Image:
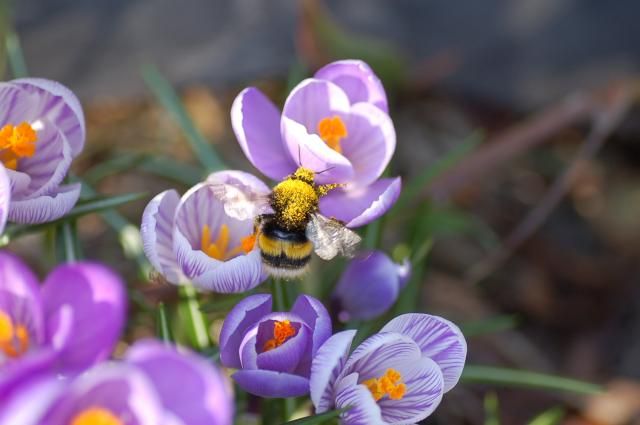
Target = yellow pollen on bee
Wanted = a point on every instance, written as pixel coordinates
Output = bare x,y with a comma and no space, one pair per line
332,130
294,199
390,384
14,338
282,332
17,142
219,249
95,416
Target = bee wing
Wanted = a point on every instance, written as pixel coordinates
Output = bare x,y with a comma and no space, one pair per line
243,205
330,237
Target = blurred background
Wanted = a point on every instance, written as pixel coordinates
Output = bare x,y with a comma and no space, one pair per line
524,111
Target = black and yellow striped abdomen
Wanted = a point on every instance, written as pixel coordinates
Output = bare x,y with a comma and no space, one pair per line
284,253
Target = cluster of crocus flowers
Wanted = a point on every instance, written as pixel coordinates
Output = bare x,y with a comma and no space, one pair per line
155,384
195,237
74,319
336,124
41,131
397,376
369,286
273,350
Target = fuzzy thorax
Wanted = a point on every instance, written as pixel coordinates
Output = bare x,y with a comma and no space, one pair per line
295,198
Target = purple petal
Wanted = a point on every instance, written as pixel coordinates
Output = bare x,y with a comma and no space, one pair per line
360,206
269,384
368,287
438,338
84,306
314,314
357,80
249,194
242,317
424,382
370,143
41,361
237,275
379,352
5,197
48,166
20,296
256,122
327,365
308,103
19,182
246,182
157,234
286,357
121,389
45,208
59,105
363,409
202,396
38,392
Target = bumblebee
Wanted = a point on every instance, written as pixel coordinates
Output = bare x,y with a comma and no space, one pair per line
293,228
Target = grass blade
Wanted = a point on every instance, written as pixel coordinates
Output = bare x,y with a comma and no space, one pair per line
491,409
197,329
168,98
163,330
522,378
15,56
552,416
489,326
323,418
172,170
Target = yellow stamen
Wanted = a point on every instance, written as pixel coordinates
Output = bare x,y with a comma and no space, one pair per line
390,384
332,130
282,332
14,338
95,416
17,142
220,248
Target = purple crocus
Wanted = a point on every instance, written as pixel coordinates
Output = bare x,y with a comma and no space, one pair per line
5,197
273,350
369,286
397,376
41,131
155,385
195,238
74,318
336,123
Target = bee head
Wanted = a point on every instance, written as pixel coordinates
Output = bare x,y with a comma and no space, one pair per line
304,174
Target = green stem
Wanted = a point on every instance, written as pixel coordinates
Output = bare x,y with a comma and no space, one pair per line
278,294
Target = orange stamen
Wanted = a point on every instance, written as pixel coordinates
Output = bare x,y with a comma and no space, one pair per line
220,248
14,338
282,332
332,130
95,416
17,142
390,384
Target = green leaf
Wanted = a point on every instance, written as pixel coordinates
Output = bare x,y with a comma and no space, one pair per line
412,190
323,418
163,330
115,165
489,326
491,409
16,57
552,416
522,378
168,98
67,244
170,169
81,209
197,329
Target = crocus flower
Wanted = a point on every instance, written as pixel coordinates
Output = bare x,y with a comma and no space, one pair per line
5,197
369,286
273,350
41,131
155,385
75,318
336,124
195,237
397,376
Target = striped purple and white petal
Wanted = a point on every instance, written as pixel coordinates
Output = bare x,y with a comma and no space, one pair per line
245,196
271,384
45,208
117,389
357,80
51,101
5,197
232,272
157,235
439,339
21,300
357,206
202,396
369,286
85,308
362,407
239,320
256,123
327,365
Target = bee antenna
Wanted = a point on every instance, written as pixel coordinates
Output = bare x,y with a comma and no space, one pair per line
326,169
